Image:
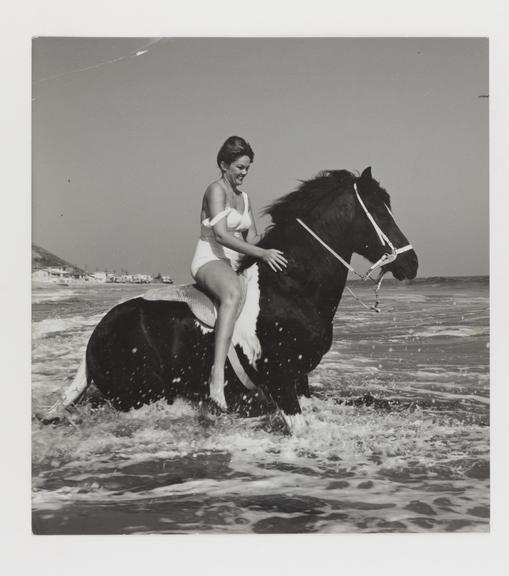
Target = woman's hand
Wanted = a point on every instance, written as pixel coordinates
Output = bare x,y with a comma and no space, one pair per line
275,259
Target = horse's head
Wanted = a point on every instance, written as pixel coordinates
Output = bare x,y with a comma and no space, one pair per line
374,232
349,213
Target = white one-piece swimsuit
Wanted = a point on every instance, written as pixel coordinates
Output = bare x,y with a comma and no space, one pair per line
208,248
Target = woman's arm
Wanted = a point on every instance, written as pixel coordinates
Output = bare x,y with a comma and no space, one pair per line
216,202
252,236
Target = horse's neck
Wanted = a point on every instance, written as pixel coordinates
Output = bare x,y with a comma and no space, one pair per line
327,288
329,296
320,274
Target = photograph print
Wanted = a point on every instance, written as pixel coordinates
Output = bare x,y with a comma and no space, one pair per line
260,285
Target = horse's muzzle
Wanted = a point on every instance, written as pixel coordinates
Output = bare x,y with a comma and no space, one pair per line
404,267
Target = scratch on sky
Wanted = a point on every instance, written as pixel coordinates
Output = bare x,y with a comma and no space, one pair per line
139,52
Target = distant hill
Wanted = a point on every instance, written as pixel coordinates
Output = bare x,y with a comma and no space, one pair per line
42,258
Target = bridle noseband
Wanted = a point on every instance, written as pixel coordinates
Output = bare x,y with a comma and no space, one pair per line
386,258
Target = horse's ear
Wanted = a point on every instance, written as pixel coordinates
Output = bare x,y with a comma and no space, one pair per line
366,175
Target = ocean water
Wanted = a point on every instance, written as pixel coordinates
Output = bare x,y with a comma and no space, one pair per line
397,435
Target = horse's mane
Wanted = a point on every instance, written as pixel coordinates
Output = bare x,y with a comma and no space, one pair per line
308,195
326,186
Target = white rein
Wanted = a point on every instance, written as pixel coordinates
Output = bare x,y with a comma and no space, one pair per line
386,258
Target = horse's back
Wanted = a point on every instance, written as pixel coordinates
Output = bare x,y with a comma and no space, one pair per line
135,348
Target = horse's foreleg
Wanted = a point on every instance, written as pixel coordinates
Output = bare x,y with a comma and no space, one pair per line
302,386
284,393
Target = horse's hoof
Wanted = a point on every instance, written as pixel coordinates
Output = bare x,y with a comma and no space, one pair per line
43,419
57,414
53,415
216,407
295,423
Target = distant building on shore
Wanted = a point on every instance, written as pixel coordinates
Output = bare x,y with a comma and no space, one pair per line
100,276
49,268
66,276
130,278
59,275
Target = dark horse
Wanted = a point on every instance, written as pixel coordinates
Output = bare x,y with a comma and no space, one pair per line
143,351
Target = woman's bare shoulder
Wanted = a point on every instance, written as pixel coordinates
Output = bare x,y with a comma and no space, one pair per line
215,190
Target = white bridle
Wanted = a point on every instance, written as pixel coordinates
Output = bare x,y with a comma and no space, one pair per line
386,258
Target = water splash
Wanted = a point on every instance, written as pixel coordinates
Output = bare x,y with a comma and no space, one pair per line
416,461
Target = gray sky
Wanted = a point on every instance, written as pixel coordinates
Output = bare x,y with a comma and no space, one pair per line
124,144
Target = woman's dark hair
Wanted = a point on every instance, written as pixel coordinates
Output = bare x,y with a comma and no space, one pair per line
234,147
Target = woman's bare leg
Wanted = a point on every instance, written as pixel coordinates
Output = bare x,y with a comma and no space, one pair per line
223,284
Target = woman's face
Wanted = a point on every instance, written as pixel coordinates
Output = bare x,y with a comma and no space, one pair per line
237,170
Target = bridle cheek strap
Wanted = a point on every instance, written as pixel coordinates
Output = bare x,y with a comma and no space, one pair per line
388,257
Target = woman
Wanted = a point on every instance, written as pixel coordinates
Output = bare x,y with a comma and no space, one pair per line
228,230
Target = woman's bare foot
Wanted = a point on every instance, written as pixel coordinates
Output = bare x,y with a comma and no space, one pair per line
216,389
